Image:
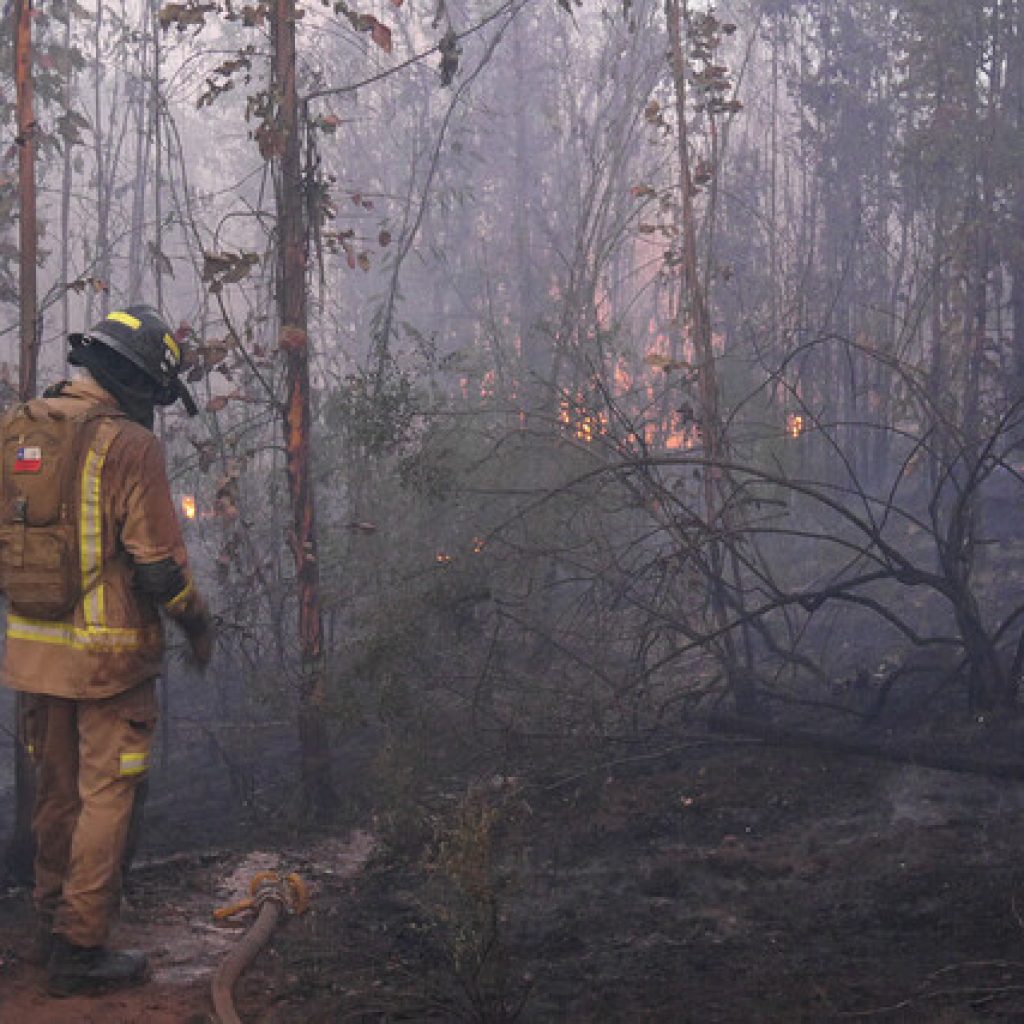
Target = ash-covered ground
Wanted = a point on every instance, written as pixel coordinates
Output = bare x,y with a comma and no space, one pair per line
702,880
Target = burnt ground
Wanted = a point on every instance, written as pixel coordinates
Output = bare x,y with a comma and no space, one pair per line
702,880
724,883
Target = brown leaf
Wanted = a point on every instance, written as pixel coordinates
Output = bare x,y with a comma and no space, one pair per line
384,239
381,35
215,263
269,141
183,15
364,261
82,283
253,16
228,267
214,353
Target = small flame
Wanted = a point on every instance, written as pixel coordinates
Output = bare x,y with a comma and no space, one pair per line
583,425
442,558
794,425
680,439
188,506
478,545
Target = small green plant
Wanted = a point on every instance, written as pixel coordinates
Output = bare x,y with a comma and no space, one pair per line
471,914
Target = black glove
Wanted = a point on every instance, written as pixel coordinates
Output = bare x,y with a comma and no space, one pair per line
200,630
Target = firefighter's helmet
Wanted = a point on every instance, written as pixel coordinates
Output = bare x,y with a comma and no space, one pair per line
140,335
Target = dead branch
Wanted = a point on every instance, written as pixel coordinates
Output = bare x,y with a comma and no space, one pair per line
786,736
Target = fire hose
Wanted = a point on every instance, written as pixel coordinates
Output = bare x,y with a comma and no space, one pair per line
272,897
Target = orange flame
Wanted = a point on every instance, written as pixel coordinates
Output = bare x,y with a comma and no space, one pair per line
794,425
680,439
188,506
582,424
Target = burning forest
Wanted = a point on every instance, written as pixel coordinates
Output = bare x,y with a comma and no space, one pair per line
511,511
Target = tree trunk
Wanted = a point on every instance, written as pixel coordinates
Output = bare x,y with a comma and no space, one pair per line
27,191
67,177
693,297
136,242
20,850
103,187
532,373
317,790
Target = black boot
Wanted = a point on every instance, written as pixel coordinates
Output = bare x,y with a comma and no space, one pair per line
84,970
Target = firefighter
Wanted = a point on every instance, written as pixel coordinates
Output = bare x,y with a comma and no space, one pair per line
87,678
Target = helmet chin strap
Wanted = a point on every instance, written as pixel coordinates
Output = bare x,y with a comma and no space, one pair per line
186,399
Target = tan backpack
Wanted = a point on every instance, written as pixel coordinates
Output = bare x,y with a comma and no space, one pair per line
41,456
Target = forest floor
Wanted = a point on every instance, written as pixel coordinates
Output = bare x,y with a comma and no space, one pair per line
709,881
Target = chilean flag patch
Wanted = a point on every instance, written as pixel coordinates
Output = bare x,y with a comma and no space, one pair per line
29,460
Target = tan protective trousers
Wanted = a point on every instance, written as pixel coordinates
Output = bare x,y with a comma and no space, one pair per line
90,756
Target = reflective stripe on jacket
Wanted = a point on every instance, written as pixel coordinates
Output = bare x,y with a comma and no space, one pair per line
113,639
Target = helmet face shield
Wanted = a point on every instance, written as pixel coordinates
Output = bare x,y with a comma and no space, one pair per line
140,335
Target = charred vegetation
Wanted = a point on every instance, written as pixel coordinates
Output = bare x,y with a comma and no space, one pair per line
609,484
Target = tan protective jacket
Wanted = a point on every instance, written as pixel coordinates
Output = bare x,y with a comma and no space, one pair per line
113,640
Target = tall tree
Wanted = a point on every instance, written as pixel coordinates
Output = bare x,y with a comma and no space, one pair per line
27,248
20,850
293,317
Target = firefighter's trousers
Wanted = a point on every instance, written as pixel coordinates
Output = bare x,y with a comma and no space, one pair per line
90,757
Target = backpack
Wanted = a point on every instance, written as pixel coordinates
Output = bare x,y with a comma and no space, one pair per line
41,456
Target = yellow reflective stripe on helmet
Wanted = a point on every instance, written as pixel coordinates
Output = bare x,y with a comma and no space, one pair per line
64,634
125,318
134,764
173,346
90,535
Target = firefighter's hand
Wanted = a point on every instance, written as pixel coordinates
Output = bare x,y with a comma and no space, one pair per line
202,636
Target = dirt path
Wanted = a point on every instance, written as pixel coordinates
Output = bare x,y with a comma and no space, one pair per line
169,916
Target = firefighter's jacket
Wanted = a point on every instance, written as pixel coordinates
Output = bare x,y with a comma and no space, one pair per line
113,639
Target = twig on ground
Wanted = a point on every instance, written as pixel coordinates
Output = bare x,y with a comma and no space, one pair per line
975,994
1016,913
